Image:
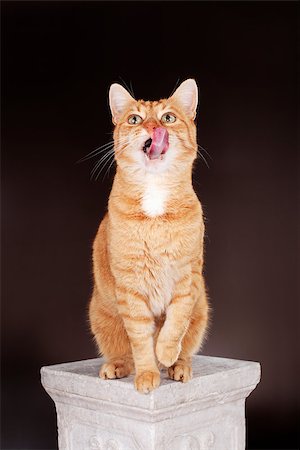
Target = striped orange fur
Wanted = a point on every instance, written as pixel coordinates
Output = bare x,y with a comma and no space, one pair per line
149,306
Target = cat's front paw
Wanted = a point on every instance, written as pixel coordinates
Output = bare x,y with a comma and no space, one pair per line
181,371
167,353
116,369
147,381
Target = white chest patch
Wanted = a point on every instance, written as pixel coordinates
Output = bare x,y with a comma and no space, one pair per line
154,198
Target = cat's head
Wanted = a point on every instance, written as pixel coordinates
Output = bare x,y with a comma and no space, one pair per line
155,136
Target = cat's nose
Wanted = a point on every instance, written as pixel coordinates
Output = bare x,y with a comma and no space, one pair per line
150,125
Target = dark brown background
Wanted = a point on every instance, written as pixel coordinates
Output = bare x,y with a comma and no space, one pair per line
58,62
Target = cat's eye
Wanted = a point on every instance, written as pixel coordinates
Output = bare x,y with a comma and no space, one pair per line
134,119
168,118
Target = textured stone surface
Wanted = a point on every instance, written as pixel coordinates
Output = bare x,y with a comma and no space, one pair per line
206,413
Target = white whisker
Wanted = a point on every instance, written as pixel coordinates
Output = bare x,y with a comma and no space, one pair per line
102,160
202,148
109,162
203,158
101,149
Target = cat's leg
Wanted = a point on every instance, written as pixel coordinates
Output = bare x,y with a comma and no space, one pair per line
178,315
112,340
140,326
185,324
181,370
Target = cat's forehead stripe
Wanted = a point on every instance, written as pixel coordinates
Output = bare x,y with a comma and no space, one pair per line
150,102
151,106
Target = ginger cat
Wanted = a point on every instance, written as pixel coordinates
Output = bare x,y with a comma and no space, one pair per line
149,306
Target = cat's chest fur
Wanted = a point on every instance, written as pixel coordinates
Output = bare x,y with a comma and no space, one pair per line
159,278
154,197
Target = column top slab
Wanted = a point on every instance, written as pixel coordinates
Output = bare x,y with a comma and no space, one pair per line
215,380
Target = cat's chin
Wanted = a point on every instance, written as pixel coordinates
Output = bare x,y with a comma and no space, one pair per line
157,165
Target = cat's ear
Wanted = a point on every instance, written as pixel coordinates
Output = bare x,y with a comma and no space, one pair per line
119,100
187,96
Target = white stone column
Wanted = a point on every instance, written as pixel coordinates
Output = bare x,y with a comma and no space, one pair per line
207,413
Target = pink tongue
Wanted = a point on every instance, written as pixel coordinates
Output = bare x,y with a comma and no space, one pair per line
160,143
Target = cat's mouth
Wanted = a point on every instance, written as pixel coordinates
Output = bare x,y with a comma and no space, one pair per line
147,145
157,146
